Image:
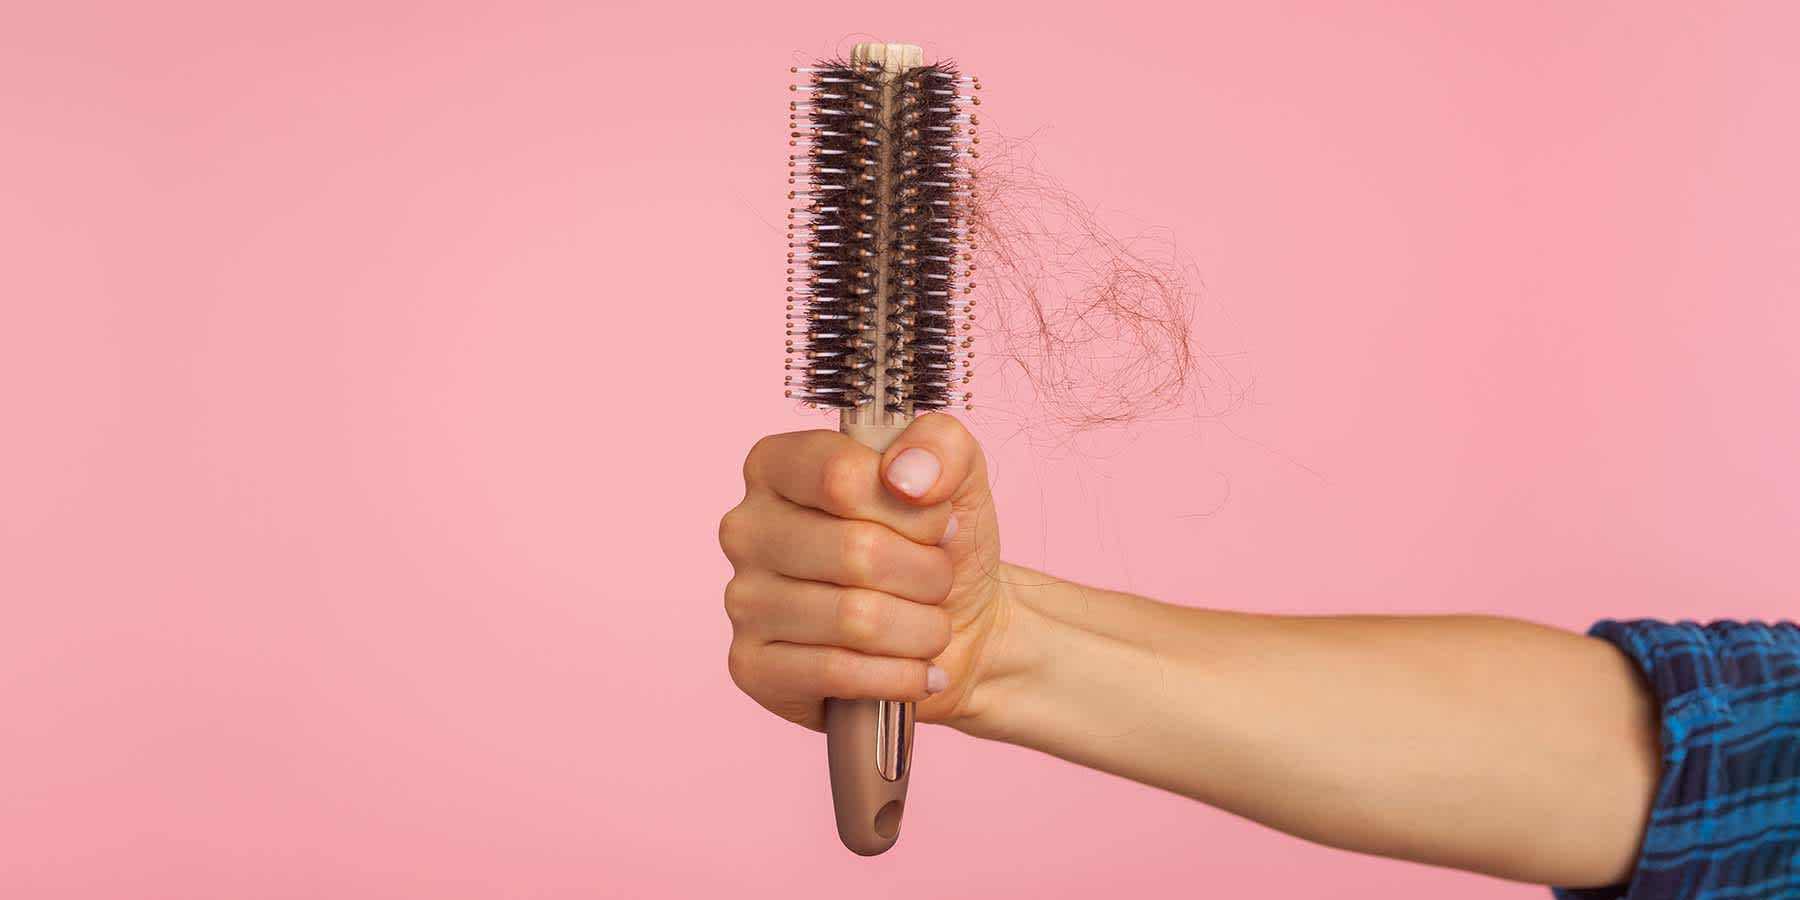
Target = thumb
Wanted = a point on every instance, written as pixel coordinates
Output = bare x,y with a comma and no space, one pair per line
935,459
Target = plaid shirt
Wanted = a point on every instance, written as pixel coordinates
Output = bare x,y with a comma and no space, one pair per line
1726,820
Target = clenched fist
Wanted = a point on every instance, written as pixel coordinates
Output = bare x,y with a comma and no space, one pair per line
863,575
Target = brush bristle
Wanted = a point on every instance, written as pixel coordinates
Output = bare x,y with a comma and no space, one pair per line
882,186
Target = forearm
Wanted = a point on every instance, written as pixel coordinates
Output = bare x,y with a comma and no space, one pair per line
1484,744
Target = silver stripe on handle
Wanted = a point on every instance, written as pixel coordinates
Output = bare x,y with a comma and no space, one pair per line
893,738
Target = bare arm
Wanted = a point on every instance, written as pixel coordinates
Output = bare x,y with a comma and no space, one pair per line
1484,744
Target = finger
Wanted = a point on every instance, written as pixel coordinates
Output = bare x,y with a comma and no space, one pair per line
813,671
808,545
828,471
935,459
775,608
744,663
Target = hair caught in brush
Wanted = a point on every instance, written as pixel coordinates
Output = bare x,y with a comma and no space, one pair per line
1084,329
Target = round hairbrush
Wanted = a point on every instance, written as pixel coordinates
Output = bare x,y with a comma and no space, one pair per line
879,269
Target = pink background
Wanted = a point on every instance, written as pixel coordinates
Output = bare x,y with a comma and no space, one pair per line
372,377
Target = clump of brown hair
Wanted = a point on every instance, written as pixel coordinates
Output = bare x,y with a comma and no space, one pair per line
1079,328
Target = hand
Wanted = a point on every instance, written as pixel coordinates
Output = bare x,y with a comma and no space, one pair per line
863,575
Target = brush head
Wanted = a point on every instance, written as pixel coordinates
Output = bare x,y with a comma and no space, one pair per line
880,256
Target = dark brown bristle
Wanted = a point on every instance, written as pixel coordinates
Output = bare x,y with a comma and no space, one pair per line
838,168
931,218
881,180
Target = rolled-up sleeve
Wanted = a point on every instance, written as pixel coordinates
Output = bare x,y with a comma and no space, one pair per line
1726,820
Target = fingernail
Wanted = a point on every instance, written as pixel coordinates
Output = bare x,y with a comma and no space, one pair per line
913,472
936,679
949,531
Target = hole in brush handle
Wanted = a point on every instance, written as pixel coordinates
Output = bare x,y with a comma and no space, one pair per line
868,806
887,821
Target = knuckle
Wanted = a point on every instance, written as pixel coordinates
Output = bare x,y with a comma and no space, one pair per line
842,478
753,460
737,602
737,664
734,529
860,550
857,617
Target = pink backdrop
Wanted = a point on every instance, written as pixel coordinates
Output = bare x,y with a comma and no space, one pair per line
372,377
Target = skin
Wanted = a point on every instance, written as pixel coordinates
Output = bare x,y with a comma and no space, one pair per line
1479,743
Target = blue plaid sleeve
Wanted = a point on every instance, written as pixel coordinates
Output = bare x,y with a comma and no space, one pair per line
1726,819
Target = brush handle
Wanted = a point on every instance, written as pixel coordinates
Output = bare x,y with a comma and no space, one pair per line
869,742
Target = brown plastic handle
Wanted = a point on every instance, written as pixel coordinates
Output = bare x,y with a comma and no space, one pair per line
869,742
863,756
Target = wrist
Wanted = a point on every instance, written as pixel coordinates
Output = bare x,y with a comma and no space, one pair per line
1011,654
1063,661
1067,667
